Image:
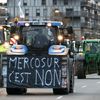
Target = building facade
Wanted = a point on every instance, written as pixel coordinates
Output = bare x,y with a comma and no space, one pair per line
70,11
90,19
3,13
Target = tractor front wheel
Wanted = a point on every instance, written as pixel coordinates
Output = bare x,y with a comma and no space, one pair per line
81,70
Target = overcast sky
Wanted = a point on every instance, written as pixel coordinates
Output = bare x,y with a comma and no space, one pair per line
3,1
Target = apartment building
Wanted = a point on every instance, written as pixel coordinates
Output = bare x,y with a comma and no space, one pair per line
90,19
71,11
3,14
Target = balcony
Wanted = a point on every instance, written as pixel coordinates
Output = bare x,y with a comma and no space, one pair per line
86,4
88,14
72,14
87,25
84,14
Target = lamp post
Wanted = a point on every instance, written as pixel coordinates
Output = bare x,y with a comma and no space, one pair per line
14,8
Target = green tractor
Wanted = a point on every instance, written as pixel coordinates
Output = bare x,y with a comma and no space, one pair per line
88,58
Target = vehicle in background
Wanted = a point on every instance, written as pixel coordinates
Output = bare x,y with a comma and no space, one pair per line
4,38
4,44
88,58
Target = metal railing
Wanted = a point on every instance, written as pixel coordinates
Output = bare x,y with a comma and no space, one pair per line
72,14
88,4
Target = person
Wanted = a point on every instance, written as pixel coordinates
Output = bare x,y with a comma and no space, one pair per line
87,48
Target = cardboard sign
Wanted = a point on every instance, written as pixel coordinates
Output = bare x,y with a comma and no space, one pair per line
34,71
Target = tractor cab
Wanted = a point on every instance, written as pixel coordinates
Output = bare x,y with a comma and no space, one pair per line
39,35
88,58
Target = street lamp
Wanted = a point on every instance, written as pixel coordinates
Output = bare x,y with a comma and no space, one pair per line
58,15
55,14
57,11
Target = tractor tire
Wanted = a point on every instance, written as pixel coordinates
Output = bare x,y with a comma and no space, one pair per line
16,91
71,69
71,90
60,91
98,72
66,90
81,71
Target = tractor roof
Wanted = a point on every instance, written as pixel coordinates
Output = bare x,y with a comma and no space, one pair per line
28,23
91,40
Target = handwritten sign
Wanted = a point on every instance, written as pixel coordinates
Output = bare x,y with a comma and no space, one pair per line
25,71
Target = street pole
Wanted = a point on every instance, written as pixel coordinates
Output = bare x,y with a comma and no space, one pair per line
14,8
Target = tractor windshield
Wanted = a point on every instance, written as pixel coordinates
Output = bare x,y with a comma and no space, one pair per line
91,47
30,33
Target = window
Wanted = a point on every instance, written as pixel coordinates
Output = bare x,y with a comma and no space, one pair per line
25,2
65,2
69,11
54,2
43,2
34,2
37,12
26,12
45,12
91,47
29,33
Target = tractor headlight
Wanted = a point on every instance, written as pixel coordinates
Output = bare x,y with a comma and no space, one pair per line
81,54
16,37
60,37
27,24
1,27
49,24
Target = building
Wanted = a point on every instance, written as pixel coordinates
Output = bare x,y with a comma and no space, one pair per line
90,19
3,13
69,11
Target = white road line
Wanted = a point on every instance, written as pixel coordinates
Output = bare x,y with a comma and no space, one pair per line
59,97
84,86
74,90
98,82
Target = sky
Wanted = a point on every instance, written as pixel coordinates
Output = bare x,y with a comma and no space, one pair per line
3,1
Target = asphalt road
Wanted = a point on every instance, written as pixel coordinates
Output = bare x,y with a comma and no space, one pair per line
85,89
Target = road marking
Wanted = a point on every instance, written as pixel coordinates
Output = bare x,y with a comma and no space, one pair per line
98,82
84,86
74,90
59,97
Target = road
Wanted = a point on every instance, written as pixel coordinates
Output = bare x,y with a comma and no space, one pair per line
85,89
